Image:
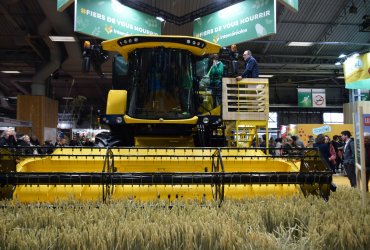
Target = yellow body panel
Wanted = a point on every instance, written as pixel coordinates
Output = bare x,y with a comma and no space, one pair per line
131,160
148,141
116,103
50,193
190,121
112,45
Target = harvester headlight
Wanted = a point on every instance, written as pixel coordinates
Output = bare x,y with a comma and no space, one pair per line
136,39
130,40
125,41
188,41
205,120
119,119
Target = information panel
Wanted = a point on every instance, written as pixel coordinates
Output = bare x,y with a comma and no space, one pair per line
109,19
357,72
238,23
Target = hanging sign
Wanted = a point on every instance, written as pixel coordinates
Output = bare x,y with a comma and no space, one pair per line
238,23
304,98
290,4
357,72
318,98
109,19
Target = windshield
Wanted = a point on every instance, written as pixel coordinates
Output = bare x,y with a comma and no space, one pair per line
161,84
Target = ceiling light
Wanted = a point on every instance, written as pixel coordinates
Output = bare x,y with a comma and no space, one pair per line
160,18
355,54
67,98
197,19
300,44
340,77
11,71
266,76
337,63
342,56
62,38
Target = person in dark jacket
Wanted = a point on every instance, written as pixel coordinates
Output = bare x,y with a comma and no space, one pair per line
323,147
251,66
8,138
349,157
367,160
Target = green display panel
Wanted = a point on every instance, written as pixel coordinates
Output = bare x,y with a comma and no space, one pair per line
238,23
304,98
109,19
290,4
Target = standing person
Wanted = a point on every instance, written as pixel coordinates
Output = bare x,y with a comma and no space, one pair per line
337,145
333,155
349,157
287,145
278,146
186,83
297,142
323,147
8,138
367,160
215,76
234,54
310,142
251,66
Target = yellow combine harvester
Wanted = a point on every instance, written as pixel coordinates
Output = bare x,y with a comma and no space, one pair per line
168,139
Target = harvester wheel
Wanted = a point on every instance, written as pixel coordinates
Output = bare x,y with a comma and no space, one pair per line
106,140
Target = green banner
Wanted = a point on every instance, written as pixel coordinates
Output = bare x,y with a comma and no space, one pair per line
304,98
63,4
238,23
357,72
290,4
109,19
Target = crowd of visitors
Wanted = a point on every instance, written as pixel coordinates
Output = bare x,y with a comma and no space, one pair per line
338,152
31,145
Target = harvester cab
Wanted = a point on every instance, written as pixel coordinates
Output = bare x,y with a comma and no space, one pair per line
156,97
169,138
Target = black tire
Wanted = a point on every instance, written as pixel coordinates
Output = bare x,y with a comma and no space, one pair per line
114,139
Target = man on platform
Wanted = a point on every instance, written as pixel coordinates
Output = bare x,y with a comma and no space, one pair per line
251,66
